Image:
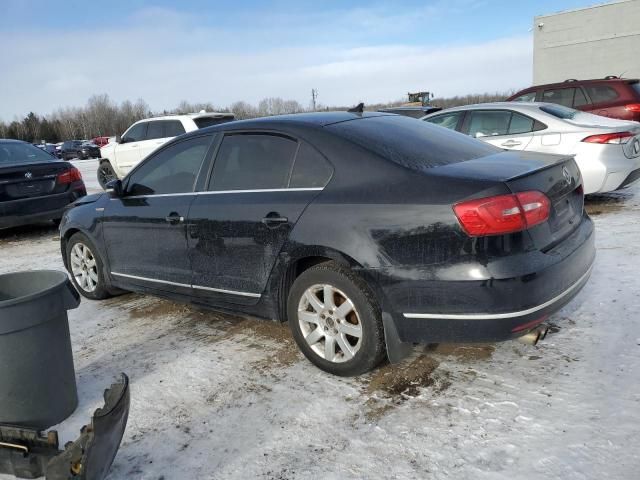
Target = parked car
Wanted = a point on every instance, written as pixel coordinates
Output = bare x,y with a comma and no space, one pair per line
80,149
606,150
362,230
34,186
610,97
100,141
50,148
413,112
144,136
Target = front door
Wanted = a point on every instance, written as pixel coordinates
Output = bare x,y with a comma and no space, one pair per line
145,229
127,152
255,195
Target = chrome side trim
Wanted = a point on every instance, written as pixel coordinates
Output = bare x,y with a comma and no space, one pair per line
231,292
496,316
221,192
134,277
218,290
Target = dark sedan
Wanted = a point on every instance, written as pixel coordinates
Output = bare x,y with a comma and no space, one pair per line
79,149
365,231
34,186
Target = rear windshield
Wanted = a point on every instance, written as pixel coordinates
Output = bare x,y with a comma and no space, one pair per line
412,143
559,111
210,121
12,153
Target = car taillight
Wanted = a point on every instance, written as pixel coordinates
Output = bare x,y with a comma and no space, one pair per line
619,137
632,107
69,176
503,213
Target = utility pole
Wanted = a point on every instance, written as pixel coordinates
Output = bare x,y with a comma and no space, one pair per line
314,96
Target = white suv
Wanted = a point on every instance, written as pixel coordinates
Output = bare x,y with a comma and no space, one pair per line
144,136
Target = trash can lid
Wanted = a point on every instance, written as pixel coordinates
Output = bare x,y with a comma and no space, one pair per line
20,287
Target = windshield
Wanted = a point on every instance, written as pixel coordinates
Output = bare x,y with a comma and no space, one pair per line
13,153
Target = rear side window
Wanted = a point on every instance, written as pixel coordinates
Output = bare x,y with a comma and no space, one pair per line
411,143
561,96
446,120
310,170
526,97
601,93
253,162
172,170
520,124
636,88
579,99
211,121
173,128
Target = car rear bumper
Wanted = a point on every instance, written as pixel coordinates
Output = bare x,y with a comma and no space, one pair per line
604,168
518,293
26,211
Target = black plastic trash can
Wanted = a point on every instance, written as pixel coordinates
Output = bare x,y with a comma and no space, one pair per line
37,377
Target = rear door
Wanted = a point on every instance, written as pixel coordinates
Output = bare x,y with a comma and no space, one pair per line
128,151
145,230
502,128
259,186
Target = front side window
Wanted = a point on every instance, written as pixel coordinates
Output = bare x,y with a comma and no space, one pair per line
561,96
526,97
579,99
253,162
172,170
601,93
136,133
310,170
155,130
446,120
489,123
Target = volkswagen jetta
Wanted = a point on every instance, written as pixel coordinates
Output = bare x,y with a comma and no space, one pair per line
363,231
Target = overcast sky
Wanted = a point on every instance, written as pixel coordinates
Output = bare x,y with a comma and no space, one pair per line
57,54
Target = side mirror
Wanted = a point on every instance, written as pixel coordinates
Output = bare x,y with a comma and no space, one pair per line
115,187
119,139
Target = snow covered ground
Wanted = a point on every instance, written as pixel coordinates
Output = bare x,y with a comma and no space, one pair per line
217,397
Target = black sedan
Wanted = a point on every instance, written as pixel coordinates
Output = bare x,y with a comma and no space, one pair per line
34,186
79,149
364,231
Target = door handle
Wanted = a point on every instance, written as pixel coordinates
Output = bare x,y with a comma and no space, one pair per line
273,220
511,143
173,218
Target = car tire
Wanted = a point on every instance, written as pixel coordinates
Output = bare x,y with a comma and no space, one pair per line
86,268
343,336
105,174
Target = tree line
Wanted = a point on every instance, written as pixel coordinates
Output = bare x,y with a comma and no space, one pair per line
103,117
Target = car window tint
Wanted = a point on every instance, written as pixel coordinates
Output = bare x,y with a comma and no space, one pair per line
18,152
447,120
173,128
579,99
559,112
488,123
204,122
520,124
526,97
136,133
561,96
171,170
636,87
601,93
252,162
155,130
411,143
311,169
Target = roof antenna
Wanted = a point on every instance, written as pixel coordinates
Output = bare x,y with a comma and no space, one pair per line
357,109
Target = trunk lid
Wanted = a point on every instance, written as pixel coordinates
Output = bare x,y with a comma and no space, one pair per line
557,176
29,180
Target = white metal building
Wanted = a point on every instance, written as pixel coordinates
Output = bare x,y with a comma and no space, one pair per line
590,42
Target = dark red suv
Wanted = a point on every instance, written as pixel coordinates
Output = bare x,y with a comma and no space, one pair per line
611,96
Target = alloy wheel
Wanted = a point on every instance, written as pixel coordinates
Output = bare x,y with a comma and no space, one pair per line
84,267
330,323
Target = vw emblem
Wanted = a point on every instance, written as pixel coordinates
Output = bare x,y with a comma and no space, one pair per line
28,175
566,175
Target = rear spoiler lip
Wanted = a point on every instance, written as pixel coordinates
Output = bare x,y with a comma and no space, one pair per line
560,159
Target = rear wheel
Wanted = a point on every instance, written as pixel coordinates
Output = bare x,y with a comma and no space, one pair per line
86,267
105,174
335,320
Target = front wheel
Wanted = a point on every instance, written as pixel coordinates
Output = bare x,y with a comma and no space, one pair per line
105,174
335,320
86,268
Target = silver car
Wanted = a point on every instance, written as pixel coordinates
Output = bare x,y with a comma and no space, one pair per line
606,150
